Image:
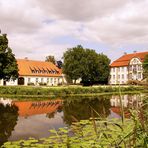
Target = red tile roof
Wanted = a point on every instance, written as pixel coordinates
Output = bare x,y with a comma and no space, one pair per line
117,110
37,68
29,108
125,59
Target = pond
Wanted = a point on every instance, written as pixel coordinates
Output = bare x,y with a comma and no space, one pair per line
24,119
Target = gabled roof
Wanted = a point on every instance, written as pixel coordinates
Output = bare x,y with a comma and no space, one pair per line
125,59
37,68
30,108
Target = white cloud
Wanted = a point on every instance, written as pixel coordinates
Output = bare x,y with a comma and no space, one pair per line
33,25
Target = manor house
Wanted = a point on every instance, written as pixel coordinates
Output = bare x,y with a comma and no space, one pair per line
128,67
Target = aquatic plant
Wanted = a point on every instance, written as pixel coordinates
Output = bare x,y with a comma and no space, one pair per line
97,132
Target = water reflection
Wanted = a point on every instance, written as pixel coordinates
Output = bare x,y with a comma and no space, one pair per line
128,101
81,109
30,108
24,119
8,120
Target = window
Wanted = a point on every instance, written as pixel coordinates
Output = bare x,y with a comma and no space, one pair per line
139,75
55,80
113,69
118,76
130,68
28,80
134,68
37,80
33,71
113,77
47,80
135,61
139,67
122,76
42,80
122,69
51,80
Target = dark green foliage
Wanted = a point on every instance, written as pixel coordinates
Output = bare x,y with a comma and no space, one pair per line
50,59
74,110
87,65
8,64
72,65
104,69
90,63
8,120
145,67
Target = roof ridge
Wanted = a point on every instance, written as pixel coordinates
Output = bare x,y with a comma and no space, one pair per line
124,59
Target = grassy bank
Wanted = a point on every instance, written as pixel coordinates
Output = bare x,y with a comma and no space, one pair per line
53,92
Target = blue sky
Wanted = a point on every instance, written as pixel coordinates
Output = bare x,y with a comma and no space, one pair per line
38,28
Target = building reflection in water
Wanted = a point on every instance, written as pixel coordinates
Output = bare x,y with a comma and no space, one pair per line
60,113
10,111
128,101
30,108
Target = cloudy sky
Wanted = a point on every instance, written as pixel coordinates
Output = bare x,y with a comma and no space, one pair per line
37,28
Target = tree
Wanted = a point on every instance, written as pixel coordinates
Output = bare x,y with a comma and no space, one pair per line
90,62
104,68
145,67
50,59
8,63
87,65
72,66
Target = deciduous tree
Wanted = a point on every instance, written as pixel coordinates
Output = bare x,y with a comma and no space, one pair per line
50,59
8,63
72,65
145,67
87,65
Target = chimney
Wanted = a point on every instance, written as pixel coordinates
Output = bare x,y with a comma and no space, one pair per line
125,53
134,51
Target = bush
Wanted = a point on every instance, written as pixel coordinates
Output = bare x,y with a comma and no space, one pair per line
30,84
42,84
134,82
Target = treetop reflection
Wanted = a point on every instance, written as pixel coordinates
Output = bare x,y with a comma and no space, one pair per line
8,120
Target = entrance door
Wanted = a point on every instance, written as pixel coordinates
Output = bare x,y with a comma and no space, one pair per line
20,81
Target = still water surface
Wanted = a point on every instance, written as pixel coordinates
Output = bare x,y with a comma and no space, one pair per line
24,119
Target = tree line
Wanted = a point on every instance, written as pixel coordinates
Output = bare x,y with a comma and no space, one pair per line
78,63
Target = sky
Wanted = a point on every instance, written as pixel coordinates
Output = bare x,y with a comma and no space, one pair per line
38,28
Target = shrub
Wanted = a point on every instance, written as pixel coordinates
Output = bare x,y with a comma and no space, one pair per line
42,84
30,84
134,82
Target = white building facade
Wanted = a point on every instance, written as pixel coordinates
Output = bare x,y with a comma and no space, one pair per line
36,73
128,67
